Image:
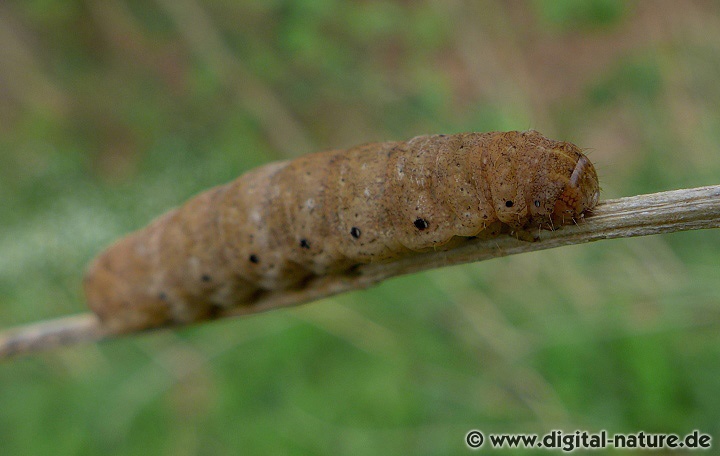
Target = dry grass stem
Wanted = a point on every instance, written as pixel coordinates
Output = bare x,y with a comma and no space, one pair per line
665,212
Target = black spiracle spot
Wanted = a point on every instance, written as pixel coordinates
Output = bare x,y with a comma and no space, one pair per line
304,244
509,203
355,232
421,224
254,259
163,296
205,278
354,270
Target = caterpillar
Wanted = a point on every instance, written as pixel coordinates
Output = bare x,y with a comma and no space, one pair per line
281,224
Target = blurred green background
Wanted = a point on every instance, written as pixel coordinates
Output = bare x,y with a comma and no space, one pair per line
113,111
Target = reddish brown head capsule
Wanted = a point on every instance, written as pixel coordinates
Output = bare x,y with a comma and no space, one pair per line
579,195
536,182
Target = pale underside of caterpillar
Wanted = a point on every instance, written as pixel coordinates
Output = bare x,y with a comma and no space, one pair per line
282,224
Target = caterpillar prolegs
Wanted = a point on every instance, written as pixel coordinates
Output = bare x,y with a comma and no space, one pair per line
325,213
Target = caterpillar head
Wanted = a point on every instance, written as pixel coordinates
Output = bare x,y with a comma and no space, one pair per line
579,194
564,188
537,182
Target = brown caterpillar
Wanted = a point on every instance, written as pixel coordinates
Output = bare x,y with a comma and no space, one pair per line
281,224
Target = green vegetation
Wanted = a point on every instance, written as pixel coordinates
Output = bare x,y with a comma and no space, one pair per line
111,112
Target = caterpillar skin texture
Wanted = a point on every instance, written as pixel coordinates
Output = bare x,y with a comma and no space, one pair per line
281,224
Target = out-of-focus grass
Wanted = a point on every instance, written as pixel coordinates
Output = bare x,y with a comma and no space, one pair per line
114,111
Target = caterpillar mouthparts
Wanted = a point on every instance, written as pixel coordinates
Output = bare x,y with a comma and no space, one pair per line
580,194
